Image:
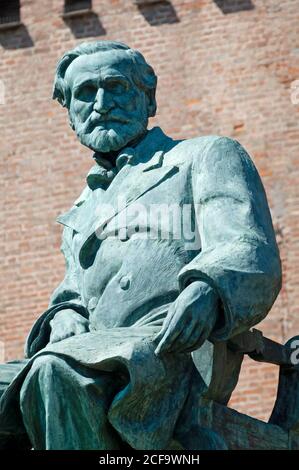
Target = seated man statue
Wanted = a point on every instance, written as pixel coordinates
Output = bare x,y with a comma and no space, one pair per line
170,245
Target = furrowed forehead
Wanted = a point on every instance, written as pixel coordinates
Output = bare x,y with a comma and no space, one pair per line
99,62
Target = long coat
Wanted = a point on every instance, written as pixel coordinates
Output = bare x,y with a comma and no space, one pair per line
122,279
117,281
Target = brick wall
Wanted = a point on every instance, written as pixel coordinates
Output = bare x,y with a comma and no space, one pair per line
224,66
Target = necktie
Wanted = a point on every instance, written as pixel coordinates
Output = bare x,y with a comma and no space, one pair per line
103,172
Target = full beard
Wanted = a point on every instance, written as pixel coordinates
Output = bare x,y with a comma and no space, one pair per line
105,140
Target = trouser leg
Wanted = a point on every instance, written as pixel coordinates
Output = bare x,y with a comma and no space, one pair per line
64,405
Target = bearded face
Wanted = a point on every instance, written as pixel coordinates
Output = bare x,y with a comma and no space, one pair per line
107,109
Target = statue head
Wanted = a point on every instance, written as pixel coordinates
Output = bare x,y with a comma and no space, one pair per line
109,91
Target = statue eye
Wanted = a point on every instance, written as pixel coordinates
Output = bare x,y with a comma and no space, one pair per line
85,92
116,86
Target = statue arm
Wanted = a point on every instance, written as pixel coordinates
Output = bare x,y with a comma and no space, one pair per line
239,257
65,297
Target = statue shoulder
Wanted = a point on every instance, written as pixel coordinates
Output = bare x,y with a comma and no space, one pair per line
213,150
195,149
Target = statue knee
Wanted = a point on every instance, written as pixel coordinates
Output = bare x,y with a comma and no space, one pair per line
44,368
46,364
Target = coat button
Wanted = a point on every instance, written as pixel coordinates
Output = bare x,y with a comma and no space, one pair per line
124,282
92,303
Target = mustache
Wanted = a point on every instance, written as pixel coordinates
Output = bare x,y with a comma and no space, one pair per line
96,119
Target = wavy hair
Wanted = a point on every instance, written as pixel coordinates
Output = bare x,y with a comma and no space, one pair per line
144,76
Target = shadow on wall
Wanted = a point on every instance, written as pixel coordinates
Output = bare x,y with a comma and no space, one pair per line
88,25
159,13
233,6
16,38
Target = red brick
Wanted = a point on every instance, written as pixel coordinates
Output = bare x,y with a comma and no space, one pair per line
218,74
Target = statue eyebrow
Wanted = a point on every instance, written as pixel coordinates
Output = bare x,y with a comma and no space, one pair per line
88,81
116,77
91,81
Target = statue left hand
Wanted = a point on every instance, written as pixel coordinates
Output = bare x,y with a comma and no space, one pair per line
190,319
67,323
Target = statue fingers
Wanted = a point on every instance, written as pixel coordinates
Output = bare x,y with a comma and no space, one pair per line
166,323
80,328
60,334
186,339
168,338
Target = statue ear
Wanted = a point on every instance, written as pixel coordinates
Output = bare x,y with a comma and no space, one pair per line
152,104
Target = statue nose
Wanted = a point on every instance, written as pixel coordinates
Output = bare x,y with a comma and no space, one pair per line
102,102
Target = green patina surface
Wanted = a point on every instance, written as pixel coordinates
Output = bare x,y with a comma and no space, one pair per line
109,363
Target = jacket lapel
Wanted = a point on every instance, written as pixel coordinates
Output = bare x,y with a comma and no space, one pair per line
76,218
134,180
137,182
